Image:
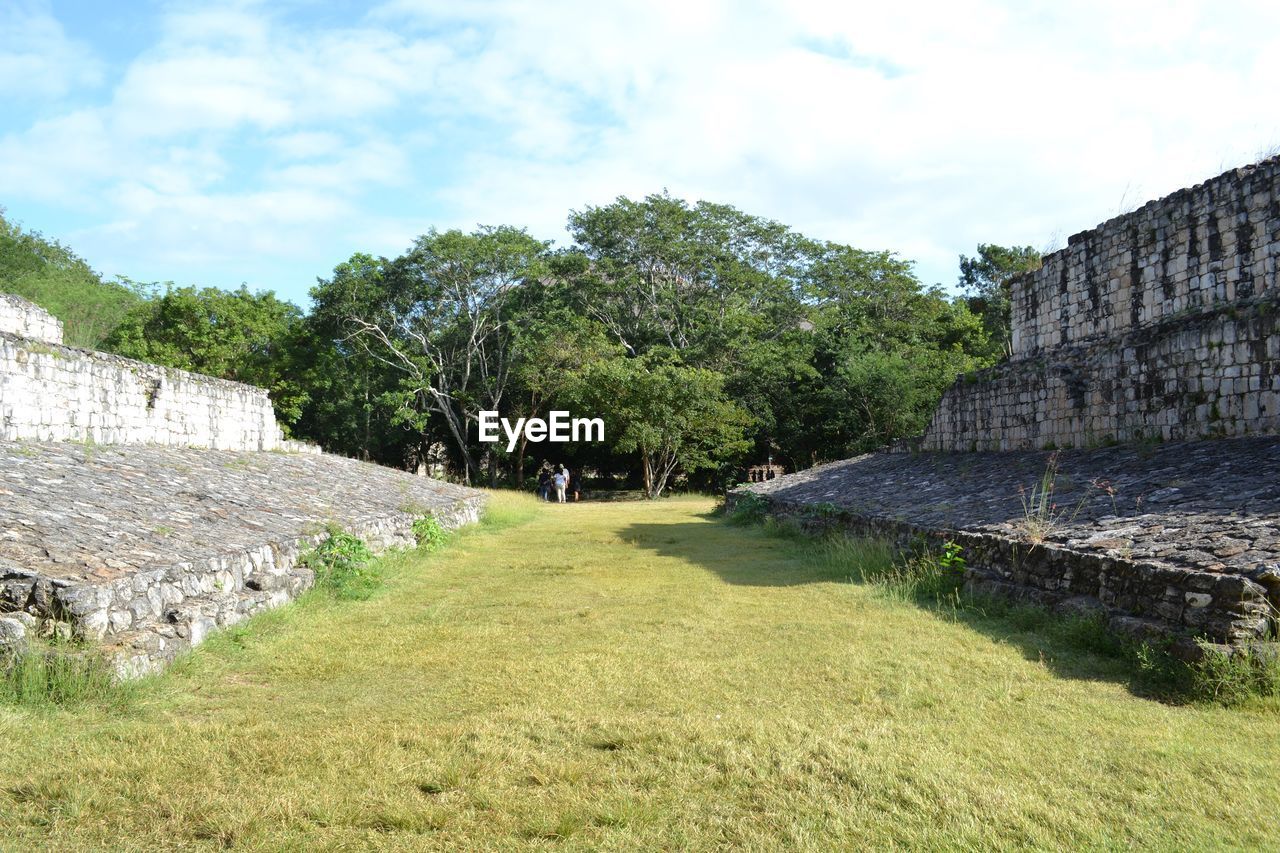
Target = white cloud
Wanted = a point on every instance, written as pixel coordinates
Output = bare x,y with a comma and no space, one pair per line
242,135
971,122
37,59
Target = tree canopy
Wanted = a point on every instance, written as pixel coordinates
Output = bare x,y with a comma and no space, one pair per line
987,278
705,337
56,278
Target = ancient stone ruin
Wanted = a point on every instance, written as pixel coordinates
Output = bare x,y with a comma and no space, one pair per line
51,392
1145,381
139,510
767,471
1160,324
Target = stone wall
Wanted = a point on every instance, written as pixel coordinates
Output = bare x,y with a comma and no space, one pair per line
1213,244
1203,375
1157,324
144,550
50,392
27,320
1180,540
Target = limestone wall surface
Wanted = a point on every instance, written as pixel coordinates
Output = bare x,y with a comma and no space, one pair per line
1157,324
27,320
50,392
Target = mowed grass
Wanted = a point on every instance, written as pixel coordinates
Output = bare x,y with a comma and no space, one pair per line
634,676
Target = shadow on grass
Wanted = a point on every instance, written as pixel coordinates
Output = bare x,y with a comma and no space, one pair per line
1070,646
769,561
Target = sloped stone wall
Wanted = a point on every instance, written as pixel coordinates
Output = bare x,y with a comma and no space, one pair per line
1179,540
145,550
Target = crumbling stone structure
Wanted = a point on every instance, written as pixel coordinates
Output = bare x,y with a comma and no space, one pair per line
1160,324
52,392
137,513
22,319
761,473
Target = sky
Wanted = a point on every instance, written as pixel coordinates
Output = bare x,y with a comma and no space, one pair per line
264,143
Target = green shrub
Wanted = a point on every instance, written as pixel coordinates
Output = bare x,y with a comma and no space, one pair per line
429,533
823,510
749,508
344,566
1236,677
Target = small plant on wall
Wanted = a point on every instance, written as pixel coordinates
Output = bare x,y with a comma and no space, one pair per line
344,565
429,533
1042,515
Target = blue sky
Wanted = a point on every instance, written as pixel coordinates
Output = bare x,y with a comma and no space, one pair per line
263,143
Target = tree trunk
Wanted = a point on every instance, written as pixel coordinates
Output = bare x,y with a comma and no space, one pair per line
471,472
520,461
364,449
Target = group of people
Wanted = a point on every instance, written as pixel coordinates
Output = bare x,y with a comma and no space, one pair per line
554,484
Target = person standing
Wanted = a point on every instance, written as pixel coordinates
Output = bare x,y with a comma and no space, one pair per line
544,484
561,482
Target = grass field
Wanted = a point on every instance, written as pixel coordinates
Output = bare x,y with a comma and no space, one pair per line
635,676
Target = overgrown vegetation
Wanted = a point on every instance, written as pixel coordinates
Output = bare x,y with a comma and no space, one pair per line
1239,677
57,279
748,509
429,533
345,567
1042,515
61,675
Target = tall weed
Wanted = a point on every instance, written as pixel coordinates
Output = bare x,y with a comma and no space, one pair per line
59,675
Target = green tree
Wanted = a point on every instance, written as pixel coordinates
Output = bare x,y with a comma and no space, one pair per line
237,335
58,280
555,349
701,280
674,417
352,395
988,278
439,315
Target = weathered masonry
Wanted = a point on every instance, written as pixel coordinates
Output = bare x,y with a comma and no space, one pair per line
138,513
20,318
1151,332
1160,324
52,392
1179,540
145,550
